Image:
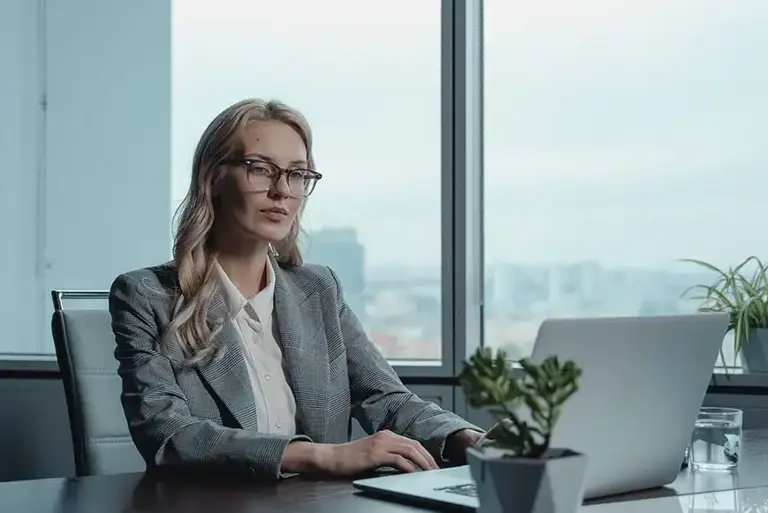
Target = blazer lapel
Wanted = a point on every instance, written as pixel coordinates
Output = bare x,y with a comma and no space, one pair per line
227,372
299,330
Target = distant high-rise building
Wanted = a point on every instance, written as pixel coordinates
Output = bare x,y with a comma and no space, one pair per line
339,249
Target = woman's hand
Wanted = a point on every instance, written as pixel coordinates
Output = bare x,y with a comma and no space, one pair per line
457,444
383,449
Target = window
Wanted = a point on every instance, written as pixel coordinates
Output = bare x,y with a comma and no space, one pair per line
368,79
620,137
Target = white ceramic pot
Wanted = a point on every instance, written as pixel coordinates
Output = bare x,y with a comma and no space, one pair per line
528,485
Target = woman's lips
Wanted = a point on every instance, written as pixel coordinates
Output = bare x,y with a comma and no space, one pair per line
274,214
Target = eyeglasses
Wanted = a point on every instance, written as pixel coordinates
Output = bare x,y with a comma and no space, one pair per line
262,176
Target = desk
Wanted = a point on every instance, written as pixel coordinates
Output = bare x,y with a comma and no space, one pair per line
129,493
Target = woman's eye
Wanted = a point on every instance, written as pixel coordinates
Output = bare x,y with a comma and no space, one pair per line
261,169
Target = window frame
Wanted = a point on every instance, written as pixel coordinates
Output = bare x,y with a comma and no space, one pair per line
461,272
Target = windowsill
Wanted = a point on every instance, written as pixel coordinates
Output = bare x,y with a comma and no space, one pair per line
414,363
736,377
36,366
28,365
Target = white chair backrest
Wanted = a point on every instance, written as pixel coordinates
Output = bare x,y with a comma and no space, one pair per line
85,352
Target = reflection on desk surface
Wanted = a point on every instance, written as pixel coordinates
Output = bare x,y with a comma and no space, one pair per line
749,500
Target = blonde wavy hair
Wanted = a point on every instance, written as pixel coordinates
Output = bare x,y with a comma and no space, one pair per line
193,253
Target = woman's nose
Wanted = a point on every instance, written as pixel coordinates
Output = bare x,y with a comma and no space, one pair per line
280,188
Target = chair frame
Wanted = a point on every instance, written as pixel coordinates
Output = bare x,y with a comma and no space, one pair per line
64,359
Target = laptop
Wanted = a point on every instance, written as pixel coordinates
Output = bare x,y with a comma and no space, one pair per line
643,382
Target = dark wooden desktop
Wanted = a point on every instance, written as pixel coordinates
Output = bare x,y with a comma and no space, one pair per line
126,493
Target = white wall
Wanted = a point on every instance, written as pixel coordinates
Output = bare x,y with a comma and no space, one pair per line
102,205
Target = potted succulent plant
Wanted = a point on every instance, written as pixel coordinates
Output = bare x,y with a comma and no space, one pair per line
516,469
745,297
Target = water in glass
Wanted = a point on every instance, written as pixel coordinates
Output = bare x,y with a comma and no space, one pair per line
715,443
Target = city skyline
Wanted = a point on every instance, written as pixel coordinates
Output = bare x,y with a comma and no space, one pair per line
400,308
348,237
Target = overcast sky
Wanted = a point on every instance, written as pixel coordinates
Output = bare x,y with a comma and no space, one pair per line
631,132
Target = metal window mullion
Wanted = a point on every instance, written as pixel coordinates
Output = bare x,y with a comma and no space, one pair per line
466,314
448,200
447,203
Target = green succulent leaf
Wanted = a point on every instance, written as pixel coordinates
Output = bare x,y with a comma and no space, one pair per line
542,389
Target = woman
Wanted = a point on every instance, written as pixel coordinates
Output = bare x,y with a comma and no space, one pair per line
237,355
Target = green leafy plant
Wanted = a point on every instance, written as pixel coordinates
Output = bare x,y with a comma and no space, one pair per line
734,291
543,389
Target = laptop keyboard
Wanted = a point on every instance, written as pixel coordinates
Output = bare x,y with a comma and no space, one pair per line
467,489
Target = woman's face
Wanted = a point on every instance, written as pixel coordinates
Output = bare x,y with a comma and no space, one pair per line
252,205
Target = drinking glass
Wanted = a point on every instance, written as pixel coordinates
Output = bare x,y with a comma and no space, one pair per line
716,440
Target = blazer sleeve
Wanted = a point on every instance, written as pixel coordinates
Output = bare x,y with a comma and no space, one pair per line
160,422
381,401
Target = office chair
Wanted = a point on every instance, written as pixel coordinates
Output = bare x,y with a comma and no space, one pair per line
84,350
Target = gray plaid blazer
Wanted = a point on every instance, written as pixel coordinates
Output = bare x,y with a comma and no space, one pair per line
204,415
